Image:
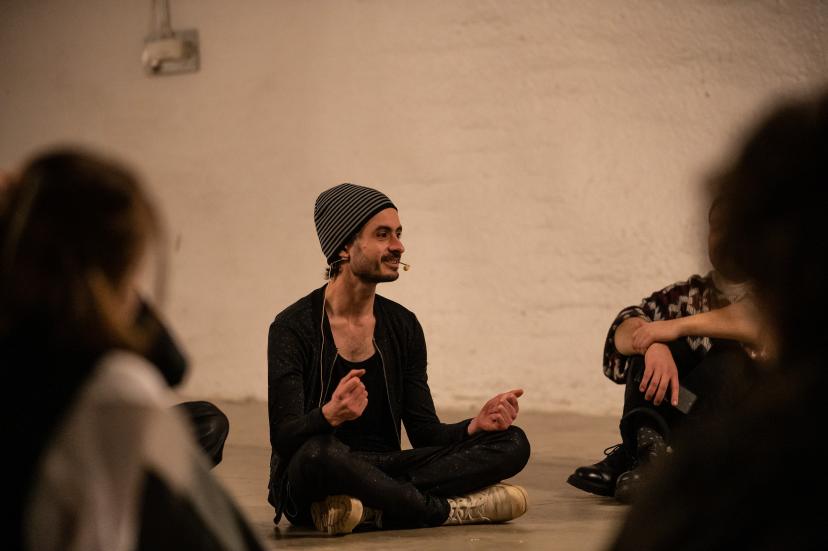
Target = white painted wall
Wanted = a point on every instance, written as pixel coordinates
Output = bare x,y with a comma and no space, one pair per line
545,156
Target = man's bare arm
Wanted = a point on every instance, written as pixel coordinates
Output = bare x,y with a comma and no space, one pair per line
738,322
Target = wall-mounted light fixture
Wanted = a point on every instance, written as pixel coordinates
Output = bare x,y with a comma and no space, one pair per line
168,52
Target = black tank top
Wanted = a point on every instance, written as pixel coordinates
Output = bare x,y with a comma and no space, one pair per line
373,430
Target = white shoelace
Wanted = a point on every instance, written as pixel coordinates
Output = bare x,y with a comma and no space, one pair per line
469,509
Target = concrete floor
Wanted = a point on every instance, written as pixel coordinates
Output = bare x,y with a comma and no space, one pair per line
559,516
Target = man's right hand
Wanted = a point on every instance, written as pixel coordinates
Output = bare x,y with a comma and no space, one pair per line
349,399
660,373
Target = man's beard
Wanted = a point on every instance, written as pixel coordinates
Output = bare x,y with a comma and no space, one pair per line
373,274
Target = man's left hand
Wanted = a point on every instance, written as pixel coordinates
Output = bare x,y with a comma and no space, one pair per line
498,414
657,331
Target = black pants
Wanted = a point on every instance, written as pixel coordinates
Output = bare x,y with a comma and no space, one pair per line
210,427
409,486
720,378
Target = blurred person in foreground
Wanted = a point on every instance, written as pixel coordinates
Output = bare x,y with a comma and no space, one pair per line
99,460
750,480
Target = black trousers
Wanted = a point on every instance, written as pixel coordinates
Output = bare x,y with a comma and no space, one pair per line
210,427
720,378
409,486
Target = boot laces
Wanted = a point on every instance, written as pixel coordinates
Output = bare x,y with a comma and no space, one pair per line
612,449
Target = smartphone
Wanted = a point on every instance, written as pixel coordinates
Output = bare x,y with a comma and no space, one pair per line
687,398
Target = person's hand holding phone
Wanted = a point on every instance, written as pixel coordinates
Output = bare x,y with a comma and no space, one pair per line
660,375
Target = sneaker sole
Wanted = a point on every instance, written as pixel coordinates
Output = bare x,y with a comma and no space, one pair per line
336,514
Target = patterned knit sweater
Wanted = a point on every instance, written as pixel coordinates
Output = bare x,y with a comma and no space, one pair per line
696,295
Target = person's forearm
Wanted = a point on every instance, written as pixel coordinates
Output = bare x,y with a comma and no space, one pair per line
286,435
737,322
624,333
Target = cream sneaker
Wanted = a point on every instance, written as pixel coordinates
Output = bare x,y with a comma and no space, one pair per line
497,503
341,514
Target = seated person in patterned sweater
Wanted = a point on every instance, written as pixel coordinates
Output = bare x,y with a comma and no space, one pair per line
745,483
689,337
345,368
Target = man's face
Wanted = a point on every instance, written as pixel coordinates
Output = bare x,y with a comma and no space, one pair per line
375,253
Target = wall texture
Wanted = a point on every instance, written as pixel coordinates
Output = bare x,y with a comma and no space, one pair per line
546,158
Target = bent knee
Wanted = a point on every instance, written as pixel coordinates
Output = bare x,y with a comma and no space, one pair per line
218,421
209,419
319,451
517,449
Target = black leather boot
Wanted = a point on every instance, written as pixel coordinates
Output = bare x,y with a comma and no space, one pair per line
651,448
600,478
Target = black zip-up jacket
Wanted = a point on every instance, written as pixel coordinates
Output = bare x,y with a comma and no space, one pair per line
301,355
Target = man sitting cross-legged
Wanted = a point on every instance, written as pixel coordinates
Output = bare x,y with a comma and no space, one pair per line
346,367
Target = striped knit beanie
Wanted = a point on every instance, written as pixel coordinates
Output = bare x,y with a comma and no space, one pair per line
341,211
